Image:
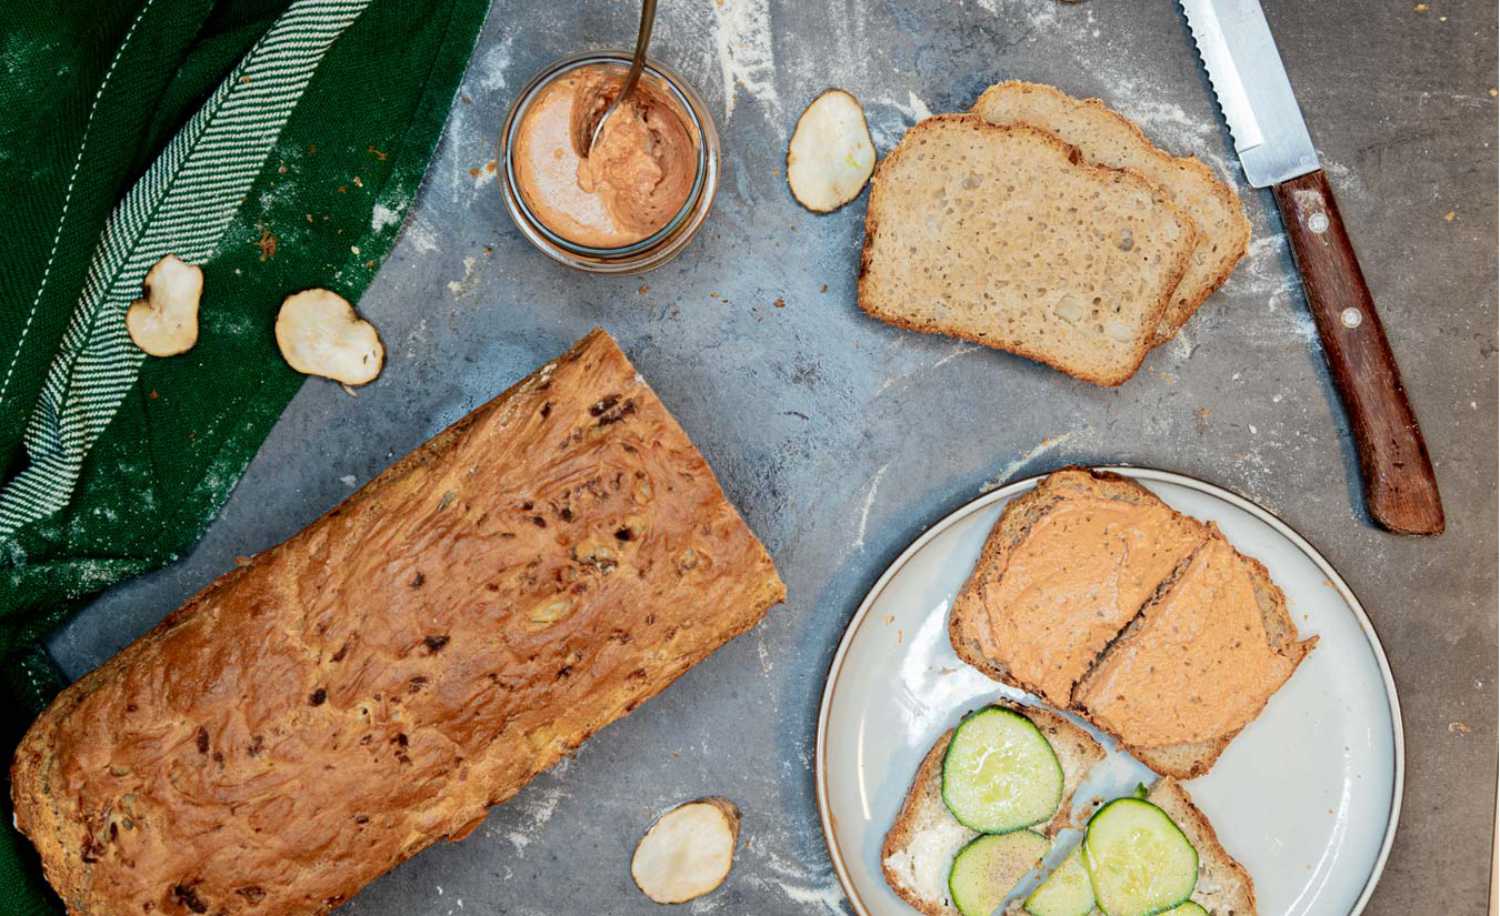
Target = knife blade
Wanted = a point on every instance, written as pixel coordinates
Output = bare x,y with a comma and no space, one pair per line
1275,150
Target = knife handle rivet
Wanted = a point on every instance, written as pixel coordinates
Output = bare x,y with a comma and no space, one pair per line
1351,317
1318,222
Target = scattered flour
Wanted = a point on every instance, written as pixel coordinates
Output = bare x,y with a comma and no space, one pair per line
490,73
383,216
422,237
1037,12
742,36
466,284
864,514
916,107
1010,470
889,119
1264,271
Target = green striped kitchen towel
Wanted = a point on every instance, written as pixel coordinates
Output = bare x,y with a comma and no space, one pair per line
279,144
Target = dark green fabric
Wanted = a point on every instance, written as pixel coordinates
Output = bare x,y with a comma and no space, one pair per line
361,135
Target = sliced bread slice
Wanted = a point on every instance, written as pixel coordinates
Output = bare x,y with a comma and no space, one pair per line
1004,236
1224,886
1064,570
1105,137
920,845
1198,665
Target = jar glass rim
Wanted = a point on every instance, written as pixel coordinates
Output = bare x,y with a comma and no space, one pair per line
668,79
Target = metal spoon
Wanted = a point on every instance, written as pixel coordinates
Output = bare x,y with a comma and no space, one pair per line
648,18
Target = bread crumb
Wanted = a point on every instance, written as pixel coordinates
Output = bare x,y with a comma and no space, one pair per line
267,244
644,289
780,303
1459,728
1421,8
1450,216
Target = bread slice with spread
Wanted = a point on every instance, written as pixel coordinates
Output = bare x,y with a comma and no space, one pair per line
920,849
1065,569
1098,597
1217,640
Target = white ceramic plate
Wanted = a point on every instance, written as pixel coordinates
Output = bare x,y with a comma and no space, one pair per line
1306,797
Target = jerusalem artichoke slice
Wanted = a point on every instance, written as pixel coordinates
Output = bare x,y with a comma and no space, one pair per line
831,155
319,334
688,851
165,322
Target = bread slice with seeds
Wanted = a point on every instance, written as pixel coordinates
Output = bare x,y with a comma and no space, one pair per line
1064,570
1005,236
1224,886
919,847
1105,137
1218,640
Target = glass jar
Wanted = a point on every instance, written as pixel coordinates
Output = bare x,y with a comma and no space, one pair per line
662,245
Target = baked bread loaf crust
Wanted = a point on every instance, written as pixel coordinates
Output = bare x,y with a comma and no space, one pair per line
418,654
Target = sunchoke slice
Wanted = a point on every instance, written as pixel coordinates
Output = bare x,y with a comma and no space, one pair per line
165,322
319,334
688,851
831,155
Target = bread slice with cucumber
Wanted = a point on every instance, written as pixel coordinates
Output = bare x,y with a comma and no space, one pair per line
985,801
1151,853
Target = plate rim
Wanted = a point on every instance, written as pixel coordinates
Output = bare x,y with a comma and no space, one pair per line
820,756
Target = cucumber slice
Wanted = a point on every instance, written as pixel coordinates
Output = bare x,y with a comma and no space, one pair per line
1187,909
1066,892
986,870
999,773
1138,861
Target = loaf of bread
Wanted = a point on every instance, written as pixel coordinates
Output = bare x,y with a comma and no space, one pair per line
374,684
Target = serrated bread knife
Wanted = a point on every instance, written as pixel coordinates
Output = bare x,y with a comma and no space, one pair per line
1235,42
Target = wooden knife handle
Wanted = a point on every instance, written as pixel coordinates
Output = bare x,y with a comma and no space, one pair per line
1400,488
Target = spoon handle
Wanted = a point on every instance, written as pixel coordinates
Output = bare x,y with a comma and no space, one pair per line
643,39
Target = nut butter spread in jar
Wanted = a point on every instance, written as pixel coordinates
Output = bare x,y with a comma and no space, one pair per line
640,193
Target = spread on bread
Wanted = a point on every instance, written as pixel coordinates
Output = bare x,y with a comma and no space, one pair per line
418,654
1097,596
920,854
633,180
1203,643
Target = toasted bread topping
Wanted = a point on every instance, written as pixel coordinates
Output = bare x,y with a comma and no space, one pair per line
636,177
1076,580
1204,645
